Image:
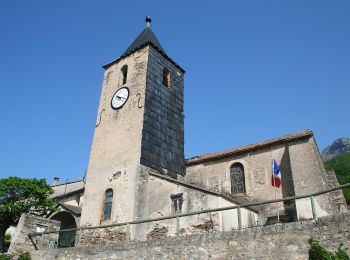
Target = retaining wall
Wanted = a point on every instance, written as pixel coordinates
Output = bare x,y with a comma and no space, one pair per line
281,241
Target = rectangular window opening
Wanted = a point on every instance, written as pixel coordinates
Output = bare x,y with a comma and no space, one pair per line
176,203
166,77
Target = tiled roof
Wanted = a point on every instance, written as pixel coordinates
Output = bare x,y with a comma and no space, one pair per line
252,147
67,188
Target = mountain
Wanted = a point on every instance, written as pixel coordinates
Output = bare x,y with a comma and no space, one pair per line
341,165
339,146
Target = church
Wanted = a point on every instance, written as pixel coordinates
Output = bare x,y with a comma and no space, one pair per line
137,169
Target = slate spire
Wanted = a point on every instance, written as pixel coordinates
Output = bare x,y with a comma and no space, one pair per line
145,37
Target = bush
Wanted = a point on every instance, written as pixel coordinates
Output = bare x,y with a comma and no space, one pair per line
317,252
7,242
24,256
4,257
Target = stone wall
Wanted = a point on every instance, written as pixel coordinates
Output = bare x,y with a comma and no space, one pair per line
163,127
153,200
193,200
103,236
337,197
116,148
309,175
147,130
29,223
281,241
297,159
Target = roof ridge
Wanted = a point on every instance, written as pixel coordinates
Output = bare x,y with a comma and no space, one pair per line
69,182
249,147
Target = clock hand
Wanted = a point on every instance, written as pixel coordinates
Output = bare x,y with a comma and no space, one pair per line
121,97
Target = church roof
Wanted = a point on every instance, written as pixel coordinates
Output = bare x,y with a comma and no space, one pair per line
66,189
146,36
248,148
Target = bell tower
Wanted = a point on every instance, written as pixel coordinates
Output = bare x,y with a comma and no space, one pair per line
140,124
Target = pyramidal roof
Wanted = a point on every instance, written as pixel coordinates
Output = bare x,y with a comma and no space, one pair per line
145,37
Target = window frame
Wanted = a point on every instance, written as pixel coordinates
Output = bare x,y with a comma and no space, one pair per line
176,203
238,188
107,214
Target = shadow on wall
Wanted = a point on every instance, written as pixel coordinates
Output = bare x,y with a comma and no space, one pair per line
66,239
287,184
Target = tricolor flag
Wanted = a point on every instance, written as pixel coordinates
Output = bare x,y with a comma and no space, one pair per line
276,174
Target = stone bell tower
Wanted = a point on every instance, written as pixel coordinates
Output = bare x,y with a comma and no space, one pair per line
140,123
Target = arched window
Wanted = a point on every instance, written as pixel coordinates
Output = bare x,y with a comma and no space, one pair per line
124,71
237,178
107,209
166,77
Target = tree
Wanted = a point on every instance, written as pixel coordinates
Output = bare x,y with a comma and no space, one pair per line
18,196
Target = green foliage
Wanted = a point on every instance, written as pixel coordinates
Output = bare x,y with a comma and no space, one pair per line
19,195
317,252
24,256
341,254
4,257
7,240
21,256
341,165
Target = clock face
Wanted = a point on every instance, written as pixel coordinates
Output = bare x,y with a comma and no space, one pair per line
120,97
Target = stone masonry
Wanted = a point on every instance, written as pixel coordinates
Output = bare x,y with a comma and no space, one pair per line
281,241
29,223
116,148
337,197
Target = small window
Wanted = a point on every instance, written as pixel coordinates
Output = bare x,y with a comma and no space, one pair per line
124,71
166,77
176,203
107,209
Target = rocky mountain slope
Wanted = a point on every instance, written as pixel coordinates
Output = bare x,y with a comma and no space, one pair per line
341,165
339,146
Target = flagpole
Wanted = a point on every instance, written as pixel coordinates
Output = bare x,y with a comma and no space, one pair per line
274,187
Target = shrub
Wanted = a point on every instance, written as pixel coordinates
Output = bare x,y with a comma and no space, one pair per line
24,256
317,252
4,257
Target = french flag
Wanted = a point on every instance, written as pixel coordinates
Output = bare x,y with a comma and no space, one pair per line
276,174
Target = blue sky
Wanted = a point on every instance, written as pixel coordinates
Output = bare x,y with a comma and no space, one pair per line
255,70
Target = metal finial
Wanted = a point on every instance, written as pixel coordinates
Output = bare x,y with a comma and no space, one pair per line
148,20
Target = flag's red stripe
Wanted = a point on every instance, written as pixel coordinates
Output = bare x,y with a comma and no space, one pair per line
275,181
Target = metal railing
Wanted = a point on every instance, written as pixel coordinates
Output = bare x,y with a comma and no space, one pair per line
311,196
